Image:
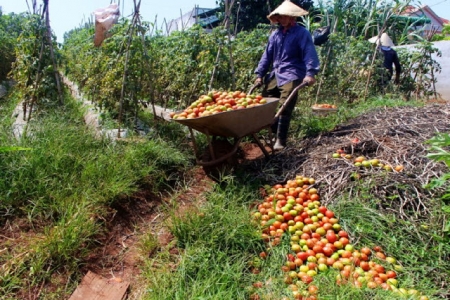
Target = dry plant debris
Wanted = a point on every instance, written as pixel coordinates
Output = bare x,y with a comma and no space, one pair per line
395,136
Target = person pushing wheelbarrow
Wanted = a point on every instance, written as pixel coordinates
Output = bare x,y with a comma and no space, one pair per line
293,60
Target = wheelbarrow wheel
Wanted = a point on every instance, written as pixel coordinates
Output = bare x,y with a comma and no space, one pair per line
221,148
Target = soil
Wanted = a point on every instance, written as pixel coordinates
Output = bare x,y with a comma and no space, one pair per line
395,136
119,252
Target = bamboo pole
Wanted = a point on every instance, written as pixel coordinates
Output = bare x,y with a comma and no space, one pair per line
147,58
228,8
127,57
52,54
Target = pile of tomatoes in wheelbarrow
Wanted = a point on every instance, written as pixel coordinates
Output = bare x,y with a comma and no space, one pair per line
231,114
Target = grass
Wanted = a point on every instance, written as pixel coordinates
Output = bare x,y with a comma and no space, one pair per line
62,189
306,123
209,255
64,186
217,241
219,245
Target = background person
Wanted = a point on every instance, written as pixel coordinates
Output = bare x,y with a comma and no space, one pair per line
292,58
390,57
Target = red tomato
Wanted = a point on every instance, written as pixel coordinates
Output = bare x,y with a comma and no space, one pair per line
302,255
322,209
312,289
315,235
318,249
365,266
366,251
287,216
343,233
307,221
307,279
327,226
310,243
330,261
327,251
377,249
331,237
298,262
305,236
391,274
346,254
344,241
379,268
298,219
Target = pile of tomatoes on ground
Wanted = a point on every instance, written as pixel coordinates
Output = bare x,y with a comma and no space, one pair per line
217,102
362,161
318,243
324,106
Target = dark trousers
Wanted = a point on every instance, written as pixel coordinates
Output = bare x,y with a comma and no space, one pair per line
281,126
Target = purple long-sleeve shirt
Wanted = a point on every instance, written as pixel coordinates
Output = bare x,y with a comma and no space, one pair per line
292,55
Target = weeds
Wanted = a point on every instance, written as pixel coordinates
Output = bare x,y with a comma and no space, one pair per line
62,188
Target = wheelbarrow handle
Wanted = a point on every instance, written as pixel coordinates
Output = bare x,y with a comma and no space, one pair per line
256,85
289,99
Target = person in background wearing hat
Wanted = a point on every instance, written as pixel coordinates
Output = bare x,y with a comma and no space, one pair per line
390,57
293,59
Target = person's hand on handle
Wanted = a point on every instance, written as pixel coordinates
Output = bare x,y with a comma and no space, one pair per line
397,78
258,81
310,80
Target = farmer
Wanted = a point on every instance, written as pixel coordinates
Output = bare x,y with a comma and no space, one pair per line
390,57
292,57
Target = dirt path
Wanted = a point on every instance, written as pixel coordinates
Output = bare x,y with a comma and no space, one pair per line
131,220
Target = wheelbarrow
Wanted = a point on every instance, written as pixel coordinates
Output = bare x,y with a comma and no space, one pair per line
236,124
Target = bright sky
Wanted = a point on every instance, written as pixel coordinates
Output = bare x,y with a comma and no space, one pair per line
69,14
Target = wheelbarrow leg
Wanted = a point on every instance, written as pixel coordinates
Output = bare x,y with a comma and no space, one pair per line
211,148
263,149
194,142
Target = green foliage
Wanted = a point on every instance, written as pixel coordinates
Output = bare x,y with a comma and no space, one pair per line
419,69
172,71
177,70
246,15
10,28
63,189
218,242
411,243
33,68
444,35
439,152
5,149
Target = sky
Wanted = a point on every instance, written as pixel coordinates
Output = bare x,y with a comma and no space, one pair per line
69,14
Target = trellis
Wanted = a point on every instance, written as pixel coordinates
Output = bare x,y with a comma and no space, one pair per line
46,40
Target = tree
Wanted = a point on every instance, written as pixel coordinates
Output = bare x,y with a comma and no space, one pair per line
10,29
247,14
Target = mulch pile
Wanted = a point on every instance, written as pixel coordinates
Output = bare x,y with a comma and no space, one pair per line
395,136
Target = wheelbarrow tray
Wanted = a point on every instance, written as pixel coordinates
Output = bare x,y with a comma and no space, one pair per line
235,123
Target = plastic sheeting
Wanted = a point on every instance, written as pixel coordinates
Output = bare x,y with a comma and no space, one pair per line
105,18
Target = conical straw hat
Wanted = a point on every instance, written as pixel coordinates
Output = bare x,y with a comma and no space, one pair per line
384,40
287,8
